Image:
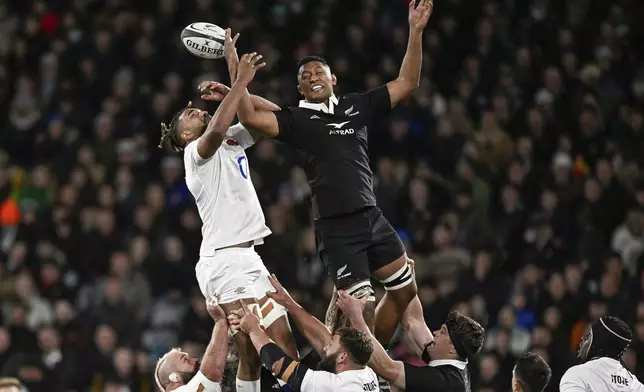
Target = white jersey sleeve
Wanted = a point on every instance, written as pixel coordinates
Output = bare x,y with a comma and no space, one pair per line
199,383
572,381
241,135
192,156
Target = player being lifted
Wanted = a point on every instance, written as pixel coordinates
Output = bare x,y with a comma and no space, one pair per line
330,133
218,177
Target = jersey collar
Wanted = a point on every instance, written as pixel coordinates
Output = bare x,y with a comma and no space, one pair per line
321,107
442,362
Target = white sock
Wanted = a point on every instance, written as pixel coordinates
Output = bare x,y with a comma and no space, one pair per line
248,386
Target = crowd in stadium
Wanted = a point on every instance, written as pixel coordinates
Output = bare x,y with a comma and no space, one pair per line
514,175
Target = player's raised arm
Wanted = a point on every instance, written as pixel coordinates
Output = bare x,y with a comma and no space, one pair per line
316,333
215,357
413,324
409,76
380,362
263,122
214,135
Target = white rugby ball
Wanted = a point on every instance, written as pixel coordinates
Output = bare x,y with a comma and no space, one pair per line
204,40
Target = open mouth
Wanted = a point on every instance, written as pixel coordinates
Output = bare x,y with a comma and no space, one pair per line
316,87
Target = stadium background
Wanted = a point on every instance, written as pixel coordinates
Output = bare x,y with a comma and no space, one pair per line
514,174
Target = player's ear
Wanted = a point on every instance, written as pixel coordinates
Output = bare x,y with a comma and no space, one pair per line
342,357
299,89
334,80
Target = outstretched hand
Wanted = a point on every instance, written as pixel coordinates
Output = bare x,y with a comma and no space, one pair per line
214,310
244,319
230,48
419,14
248,66
281,296
213,91
351,307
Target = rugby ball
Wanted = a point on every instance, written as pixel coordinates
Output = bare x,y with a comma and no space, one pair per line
204,40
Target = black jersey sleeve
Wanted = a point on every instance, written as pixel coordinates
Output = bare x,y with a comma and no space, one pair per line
429,379
287,128
378,101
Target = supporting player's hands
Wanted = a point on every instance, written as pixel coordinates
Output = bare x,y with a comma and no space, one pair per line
281,296
214,310
419,14
248,66
213,91
351,307
244,319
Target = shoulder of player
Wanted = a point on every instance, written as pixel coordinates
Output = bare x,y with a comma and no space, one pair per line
575,372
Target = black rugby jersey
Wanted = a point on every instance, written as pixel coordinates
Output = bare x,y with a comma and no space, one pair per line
333,149
438,376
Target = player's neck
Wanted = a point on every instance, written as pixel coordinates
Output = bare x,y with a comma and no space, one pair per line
346,367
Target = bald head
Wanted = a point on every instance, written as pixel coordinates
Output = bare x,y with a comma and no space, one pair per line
174,369
9,384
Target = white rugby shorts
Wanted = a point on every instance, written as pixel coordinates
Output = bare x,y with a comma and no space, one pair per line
233,274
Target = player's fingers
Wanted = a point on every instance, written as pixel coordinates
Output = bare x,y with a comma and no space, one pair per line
275,283
256,59
251,56
412,4
235,39
260,65
206,86
227,37
242,307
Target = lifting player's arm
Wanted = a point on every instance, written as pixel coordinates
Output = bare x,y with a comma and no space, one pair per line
316,333
215,357
380,362
416,332
272,356
409,76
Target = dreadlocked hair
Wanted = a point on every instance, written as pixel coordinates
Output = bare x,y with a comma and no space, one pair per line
171,132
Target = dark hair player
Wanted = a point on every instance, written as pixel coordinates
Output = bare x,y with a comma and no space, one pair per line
354,239
530,374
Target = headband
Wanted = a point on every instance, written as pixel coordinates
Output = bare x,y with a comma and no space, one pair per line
613,332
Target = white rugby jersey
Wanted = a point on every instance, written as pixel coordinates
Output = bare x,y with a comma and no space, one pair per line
199,383
600,375
363,380
224,193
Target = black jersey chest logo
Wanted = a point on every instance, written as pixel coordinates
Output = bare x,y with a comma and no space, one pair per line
340,128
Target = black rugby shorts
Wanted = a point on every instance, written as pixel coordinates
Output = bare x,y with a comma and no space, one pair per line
353,246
